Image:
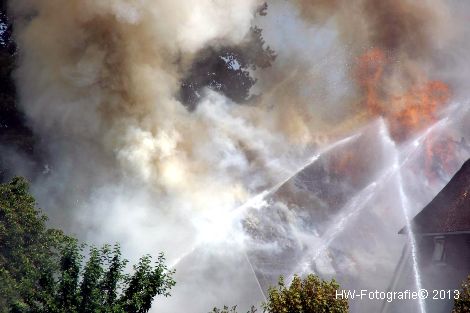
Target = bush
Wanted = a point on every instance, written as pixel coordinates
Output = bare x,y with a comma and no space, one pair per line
462,304
308,295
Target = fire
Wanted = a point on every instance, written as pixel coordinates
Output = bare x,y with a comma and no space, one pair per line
420,107
439,157
369,73
406,113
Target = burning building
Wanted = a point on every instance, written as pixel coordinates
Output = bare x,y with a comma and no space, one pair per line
443,238
151,135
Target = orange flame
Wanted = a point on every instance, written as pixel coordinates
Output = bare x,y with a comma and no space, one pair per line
369,74
439,157
405,113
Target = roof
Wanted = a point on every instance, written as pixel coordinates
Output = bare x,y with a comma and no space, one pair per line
449,211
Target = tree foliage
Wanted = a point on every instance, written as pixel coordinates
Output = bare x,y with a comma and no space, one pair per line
9,112
308,295
44,271
29,251
226,68
233,309
462,304
6,29
13,129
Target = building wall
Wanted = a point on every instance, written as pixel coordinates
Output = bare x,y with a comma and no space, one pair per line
444,262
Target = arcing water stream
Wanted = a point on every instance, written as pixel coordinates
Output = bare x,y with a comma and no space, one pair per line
214,187
259,200
399,159
358,203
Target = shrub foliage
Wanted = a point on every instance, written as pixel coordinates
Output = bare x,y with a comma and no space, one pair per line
462,304
308,295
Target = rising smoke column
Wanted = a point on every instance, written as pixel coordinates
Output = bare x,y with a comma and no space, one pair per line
108,71
105,74
385,61
387,52
101,77
98,81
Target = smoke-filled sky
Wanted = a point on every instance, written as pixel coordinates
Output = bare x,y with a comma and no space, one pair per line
128,162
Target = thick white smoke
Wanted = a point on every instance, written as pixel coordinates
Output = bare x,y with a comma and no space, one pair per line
98,81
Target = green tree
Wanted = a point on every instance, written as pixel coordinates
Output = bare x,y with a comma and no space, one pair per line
462,304
44,271
308,295
14,131
233,309
226,68
29,251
